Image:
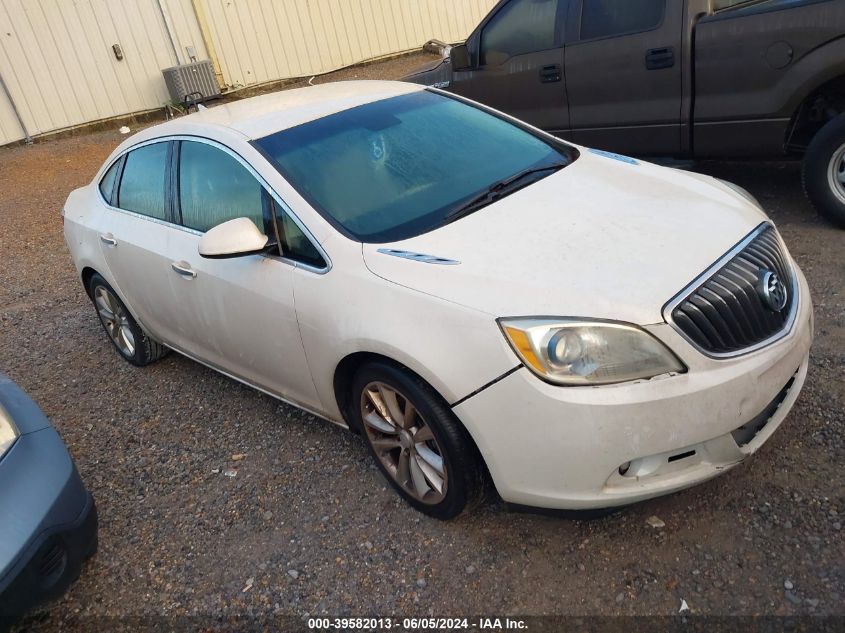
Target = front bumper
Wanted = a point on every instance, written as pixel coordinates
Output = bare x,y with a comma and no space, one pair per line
48,522
562,448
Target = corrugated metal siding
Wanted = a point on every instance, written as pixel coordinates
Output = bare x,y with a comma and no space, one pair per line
58,64
262,40
10,129
186,28
57,60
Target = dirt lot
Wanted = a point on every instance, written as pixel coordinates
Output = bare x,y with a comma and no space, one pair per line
311,521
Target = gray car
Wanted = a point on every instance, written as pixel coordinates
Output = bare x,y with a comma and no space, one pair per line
48,520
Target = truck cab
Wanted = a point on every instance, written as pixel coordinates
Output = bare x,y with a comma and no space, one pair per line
602,73
687,79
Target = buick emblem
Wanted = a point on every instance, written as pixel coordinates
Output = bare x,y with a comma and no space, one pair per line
772,291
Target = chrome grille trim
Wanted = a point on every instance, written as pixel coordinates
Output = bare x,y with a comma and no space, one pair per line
726,293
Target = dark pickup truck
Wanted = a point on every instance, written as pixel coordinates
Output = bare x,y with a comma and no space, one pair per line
682,79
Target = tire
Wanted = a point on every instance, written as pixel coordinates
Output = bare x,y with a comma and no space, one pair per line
127,337
461,473
823,171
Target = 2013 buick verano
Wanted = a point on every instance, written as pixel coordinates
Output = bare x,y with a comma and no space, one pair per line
469,293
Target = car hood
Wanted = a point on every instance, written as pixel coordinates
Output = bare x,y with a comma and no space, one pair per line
601,238
424,68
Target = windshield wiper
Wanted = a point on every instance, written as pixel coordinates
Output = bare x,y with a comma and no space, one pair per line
497,191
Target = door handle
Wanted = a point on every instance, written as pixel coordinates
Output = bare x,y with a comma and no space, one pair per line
184,269
550,74
108,239
658,58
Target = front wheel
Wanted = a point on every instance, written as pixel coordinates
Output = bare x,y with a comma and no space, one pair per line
823,171
417,442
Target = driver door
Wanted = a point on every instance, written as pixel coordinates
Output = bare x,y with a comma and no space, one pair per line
518,64
236,314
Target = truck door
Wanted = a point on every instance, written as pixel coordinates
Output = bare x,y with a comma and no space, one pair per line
517,63
623,75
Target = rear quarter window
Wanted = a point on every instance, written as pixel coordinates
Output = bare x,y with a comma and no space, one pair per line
107,183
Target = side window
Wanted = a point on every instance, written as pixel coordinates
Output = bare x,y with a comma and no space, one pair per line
215,187
520,27
296,245
142,184
603,18
107,183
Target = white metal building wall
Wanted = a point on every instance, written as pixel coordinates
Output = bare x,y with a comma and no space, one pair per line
262,40
57,61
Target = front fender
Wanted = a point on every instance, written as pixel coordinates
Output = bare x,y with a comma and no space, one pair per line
455,349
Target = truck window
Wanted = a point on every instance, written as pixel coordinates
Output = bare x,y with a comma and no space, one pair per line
520,27
605,18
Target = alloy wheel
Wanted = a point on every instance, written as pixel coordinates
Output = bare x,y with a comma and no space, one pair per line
115,319
836,174
404,442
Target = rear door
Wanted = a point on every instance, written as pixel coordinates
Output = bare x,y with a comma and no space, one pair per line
517,63
132,232
623,75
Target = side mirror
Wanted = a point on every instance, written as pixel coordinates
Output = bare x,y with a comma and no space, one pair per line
459,57
234,238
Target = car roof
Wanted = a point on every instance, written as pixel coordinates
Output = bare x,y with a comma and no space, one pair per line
256,117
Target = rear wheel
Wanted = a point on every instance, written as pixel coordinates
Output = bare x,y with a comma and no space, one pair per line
417,442
823,171
130,341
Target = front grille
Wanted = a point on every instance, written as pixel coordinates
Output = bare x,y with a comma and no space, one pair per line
728,313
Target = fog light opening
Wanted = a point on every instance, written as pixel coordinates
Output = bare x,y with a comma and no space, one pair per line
624,468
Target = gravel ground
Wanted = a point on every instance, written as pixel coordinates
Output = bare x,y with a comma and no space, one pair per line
308,525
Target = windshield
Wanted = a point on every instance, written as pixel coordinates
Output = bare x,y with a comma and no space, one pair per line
400,167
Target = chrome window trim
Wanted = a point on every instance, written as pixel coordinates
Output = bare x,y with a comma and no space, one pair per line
207,141
675,301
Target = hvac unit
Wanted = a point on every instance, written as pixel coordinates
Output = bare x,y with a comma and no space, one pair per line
191,82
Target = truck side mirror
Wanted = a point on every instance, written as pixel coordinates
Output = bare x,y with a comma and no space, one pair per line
459,56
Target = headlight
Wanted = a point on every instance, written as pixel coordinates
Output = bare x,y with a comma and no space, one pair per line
581,352
8,432
741,191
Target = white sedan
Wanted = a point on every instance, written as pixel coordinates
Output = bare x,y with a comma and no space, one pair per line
475,297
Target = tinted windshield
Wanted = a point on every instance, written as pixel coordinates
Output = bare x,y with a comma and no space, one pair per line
396,168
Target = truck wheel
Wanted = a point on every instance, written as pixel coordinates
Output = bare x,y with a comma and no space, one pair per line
823,172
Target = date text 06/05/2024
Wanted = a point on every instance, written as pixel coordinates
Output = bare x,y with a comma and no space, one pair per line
416,624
